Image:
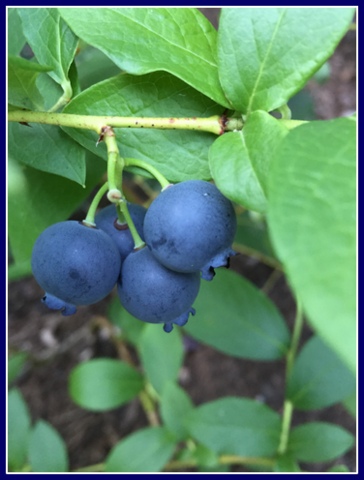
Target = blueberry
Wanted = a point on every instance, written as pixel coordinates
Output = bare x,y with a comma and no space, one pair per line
155,294
107,220
190,226
75,265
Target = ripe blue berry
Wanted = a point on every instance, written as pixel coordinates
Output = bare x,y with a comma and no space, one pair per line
155,294
107,220
190,226
75,265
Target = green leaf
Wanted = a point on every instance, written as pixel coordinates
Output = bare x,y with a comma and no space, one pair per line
52,42
161,355
319,378
175,404
16,363
239,161
130,327
339,469
350,404
180,41
236,318
47,450
205,459
146,450
236,426
266,55
16,39
51,91
252,237
36,200
93,66
18,430
178,155
312,221
49,149
103,384
285,463
319,442
23,90
19,270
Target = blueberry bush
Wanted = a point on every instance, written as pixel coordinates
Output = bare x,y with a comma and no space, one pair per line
97,95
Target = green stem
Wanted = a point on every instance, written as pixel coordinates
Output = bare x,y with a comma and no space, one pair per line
138,242
115,164
291,355
97,467
223,460
133,162
215,124
285,111
149,408
296,335
251,252
90,217
233,459
179,464
286,426
65,98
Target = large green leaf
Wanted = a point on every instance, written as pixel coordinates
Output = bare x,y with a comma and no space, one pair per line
161,355
179,155
37,199
252,237
52,42
175,405
48,148
180,41
236,426
18,430
239,161
16,39
236,318
266,55
146,450
319,378
93,66
104,384
47,450
23,90
312,220
51,91
319,442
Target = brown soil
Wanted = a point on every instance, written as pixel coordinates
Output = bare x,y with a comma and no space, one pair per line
57,344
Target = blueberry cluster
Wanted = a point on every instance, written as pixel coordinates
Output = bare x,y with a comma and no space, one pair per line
188,230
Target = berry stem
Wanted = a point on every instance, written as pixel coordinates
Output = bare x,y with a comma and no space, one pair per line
215,124
138,242
90,217
115,166
133,162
